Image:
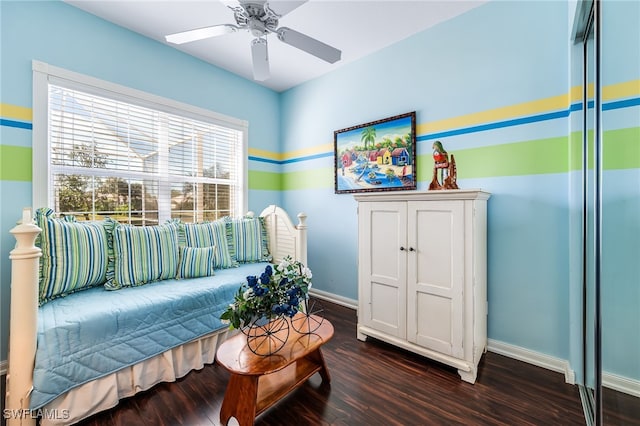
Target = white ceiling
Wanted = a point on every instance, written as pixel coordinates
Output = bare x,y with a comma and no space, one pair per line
358,28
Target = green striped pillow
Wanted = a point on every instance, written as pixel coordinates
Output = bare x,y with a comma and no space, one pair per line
144,254
209,234
74,255
249,240
196,262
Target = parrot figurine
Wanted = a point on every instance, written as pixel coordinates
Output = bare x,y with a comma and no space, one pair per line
442,162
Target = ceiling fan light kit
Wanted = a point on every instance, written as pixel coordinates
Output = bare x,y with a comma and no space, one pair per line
259,19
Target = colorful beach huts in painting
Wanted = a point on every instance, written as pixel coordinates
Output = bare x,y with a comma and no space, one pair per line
376,156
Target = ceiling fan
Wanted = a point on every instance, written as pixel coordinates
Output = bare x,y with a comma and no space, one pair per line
261,19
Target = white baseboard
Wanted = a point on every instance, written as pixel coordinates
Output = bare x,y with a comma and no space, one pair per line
330,297
621,384
3,367
535,358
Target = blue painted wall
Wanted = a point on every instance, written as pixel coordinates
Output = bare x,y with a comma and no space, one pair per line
494,64
491,57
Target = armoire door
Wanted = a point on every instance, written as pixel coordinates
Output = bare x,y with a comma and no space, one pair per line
382,275
435,275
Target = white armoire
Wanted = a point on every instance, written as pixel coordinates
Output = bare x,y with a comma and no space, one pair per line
422,273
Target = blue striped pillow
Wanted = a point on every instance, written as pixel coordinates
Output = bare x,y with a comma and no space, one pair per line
209,234
196,262
74,255
249,240
143,254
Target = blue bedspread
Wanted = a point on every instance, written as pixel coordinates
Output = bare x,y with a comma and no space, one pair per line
93,333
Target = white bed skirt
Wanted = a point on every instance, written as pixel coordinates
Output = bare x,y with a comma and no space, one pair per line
105,393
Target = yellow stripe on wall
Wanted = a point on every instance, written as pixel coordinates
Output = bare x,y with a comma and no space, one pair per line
303,152
539,106
320,149
270,155
627,89
16,112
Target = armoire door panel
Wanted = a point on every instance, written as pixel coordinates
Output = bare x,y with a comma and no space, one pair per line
434,239
435,276
386,309
433,322
382,277
385,233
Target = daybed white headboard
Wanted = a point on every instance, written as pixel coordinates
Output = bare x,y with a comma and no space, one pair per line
285,238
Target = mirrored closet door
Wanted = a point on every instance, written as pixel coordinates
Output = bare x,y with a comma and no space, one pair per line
608,33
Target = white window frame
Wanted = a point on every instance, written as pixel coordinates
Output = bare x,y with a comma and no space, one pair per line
44,74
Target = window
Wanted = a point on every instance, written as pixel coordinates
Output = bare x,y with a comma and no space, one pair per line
111,151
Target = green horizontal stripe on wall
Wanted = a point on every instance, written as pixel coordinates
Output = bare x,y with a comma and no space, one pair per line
308,179
15,163
513,159
621,149
267,181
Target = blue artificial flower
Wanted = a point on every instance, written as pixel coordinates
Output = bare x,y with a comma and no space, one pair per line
264,278
268,270
252,281
284,281
294,301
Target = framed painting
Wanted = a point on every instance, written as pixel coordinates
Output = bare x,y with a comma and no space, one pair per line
376,156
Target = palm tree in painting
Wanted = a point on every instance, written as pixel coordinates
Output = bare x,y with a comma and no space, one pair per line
368,137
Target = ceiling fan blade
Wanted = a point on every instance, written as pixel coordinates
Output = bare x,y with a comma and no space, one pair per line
260,57
200,33
309,45
282,7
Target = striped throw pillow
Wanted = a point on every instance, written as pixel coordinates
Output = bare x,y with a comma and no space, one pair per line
143,254
209,234
74,255
196,262
249,240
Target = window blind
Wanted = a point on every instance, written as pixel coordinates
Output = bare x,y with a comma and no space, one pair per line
138,164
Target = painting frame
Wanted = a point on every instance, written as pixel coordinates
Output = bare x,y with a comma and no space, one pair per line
390,164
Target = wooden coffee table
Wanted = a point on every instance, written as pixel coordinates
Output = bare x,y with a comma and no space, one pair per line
257,382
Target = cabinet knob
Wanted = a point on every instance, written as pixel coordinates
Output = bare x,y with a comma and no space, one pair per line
411,249
402,248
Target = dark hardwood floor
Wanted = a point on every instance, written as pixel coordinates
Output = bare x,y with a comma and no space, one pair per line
372,384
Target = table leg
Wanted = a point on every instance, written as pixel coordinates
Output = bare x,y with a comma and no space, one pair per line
318,359
240,400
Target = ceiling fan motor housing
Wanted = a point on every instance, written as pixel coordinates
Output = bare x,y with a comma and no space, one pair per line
257,28
257,17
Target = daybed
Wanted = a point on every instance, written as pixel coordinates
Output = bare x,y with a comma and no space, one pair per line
117,343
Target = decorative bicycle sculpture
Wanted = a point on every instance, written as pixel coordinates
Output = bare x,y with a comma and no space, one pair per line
267,306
